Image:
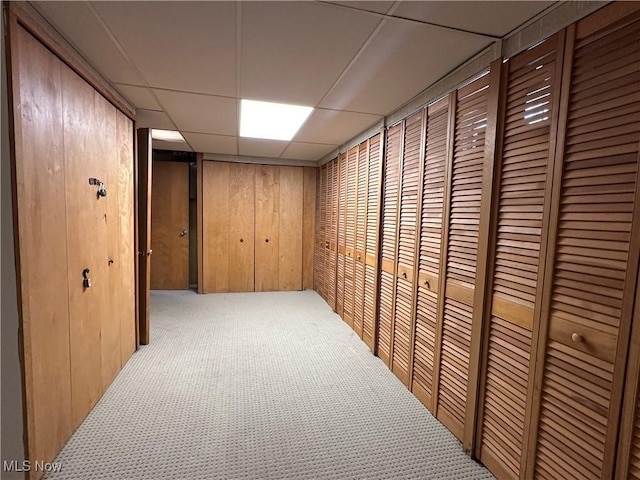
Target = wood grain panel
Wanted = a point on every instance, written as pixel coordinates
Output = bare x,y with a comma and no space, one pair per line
407,222
290,234
41,243
462,251
170,217
241,204
127,255
430,246
308,227
145,166
216,226
596,255
390,200
523,191
88,214
267,248
371,241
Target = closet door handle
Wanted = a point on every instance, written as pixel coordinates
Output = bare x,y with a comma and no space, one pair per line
184,233
576,337
266,240
241,240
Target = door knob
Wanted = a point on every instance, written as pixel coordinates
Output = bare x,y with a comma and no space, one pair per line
149,253
184,233
576,337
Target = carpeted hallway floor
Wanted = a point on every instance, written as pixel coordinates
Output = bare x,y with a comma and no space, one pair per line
258,386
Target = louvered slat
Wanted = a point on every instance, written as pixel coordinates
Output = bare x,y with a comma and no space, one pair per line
430,250
332,226
409,183
371,241
350,234
634,460
596,204
318,250
322,231
531,91
388,240
464,219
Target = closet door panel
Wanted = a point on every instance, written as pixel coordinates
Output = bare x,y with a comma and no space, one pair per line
462,251
290,234
350,236
127,253
430,250
596,256
361,233
241,215
332,232
216,226
318,253
371,242
267,228
86,213
408,219
530,104
342,240
308,232
389,226
41,224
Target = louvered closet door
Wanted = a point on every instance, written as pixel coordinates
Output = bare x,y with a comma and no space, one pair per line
350,234
361,232
430,250
330,241
462,249
318,251
371,241
530,104
342,239
409,186
388,245
323,230
596,252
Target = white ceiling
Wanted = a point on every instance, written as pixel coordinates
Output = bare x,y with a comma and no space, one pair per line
185,65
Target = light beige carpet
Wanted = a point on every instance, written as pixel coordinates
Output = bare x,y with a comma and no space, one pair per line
258,386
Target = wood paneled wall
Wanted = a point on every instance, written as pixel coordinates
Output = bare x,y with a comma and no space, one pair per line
509,252
257,223
75,337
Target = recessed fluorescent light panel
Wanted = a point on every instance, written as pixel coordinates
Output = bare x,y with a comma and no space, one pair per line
166,135
271,121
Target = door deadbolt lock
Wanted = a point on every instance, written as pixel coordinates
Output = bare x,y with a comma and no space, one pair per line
86,282
102,192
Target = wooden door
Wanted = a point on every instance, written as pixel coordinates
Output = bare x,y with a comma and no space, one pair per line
391,182
330,243
144,232
290,232
43,276
458,280
241,266
319,250
411,170
350,234
267,228
435,181
342,241
523,182
308,229
216,227
170,226
361,234
371,240
594,245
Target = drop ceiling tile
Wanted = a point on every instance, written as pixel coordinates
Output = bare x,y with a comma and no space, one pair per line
174,146
153,119
141,97
334,127
188,46
293,52
308,151
204,143
77,22
402,60
375,6
200,113
256,147
490,17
